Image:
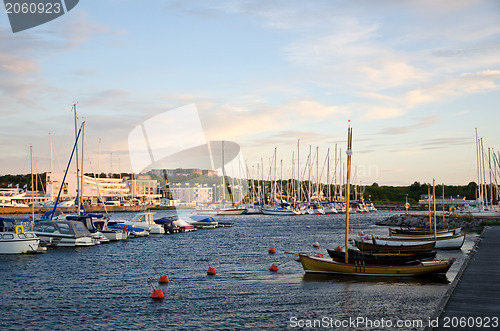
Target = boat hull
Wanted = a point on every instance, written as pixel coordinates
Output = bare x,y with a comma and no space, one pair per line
280,212
313,264
366,246
18,244
381,258
212,212
453,242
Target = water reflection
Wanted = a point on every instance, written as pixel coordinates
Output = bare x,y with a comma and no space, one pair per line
349,279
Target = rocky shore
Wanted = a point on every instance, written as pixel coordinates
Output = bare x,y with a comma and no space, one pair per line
467,223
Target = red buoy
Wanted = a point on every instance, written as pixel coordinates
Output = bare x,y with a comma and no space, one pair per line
163,279
272,250
211,271
158,294
338,248
316,244
273,268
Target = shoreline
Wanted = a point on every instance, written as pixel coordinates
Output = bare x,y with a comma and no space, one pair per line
90,209
466,222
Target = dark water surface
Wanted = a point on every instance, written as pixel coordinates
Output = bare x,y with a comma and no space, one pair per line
105,287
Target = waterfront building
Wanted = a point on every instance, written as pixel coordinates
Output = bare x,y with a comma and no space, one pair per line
449,201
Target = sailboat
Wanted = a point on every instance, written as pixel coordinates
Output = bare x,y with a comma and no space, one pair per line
313,264
222,209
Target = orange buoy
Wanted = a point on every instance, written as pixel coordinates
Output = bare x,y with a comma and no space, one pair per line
272,250
163,279
273,268
308,227
158,294
211,271
316,244
338,248
319,255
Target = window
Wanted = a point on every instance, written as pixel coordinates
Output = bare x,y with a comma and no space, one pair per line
63,227
8,236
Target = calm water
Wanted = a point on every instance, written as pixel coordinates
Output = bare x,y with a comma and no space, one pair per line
105,287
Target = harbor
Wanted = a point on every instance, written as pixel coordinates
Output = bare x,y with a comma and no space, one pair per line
100,287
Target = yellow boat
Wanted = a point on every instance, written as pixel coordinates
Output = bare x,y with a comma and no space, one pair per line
312,264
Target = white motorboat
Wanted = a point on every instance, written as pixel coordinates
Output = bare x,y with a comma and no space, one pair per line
280,211
64,233
144,220
221,210
17,241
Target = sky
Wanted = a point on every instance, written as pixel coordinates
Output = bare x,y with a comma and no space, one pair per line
414,78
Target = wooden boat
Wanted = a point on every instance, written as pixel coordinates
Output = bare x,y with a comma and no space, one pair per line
312,264
363,245
422,235
453,242
381,257
419,230
350,266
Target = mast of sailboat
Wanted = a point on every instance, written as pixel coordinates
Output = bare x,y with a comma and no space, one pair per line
349,154
444,221
81,178
32,191
429,203
223,177
299,186
329,190
51,170
77,164
434,201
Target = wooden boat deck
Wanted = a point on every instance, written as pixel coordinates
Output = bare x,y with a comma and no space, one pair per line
473,297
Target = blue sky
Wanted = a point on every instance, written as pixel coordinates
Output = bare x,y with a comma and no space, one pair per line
414,77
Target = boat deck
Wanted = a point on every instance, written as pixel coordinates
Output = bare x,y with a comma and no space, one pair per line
473,301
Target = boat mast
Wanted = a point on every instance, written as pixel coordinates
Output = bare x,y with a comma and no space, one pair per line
223,177
478,192
81,179
299,186
429,203
51,171
349,154
77,165
434,201
32,191
444,221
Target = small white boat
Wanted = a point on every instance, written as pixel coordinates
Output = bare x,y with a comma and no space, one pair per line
221,210
63,233
18,241
202,222
144,220
280,211
450,242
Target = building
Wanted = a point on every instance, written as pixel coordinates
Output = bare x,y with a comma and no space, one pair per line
191,195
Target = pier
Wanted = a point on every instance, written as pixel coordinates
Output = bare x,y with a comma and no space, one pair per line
473,301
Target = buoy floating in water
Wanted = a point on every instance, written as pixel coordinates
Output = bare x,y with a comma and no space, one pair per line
157,293
163,279
338,248
272,250
308,227
211,271
316,244
273,268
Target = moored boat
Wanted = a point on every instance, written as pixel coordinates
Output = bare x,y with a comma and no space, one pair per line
63,233
364,245
17,240
381,257
450,242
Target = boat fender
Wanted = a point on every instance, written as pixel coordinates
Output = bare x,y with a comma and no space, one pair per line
273,268
319,255
19,229
272,250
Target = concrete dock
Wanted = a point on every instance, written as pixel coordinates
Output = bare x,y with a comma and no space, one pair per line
473,300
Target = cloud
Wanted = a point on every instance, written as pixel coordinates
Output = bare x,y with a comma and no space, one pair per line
422,123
